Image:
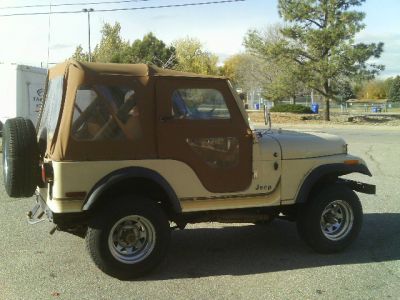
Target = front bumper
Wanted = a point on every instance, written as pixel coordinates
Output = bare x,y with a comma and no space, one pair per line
359,186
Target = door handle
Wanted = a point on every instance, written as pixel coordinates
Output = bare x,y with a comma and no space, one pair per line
166,118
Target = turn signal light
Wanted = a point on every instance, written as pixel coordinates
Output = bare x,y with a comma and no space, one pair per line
351,162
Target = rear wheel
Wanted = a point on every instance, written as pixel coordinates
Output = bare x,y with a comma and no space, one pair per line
129,239
331,220
20,158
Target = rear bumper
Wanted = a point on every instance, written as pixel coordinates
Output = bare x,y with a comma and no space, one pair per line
44,207
59,205
359,186
62,220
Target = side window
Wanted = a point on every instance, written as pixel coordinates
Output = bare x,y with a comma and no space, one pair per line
106,113
199,104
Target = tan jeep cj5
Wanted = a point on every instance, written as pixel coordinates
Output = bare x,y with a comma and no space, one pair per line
122,154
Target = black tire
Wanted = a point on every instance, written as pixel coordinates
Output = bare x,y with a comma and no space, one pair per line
331,220
20,158
104,250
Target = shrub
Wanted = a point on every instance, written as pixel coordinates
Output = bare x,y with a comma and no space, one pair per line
292,108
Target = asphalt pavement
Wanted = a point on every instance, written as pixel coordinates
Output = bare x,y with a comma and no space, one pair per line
223,261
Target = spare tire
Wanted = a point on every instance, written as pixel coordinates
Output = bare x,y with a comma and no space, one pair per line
20,158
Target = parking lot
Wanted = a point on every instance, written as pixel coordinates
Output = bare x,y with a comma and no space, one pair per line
222,261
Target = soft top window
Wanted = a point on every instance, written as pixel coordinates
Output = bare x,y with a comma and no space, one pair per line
51,108
199,104
106,113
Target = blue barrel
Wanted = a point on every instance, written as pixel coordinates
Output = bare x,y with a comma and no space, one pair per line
315,108
257,106
374,109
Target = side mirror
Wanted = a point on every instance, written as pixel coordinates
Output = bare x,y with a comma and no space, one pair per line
267,117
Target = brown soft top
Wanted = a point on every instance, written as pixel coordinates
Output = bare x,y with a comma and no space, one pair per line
128,69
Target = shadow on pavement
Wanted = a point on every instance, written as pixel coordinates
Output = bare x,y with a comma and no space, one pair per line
251,249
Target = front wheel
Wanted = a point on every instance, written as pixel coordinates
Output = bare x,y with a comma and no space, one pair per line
129,239
331,220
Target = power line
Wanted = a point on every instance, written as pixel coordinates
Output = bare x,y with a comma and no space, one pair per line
71,4
124,9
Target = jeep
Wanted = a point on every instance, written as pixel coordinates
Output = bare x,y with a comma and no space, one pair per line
124,153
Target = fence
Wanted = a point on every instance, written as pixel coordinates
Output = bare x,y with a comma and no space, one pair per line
356,108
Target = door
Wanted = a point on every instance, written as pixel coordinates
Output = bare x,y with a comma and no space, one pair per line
200,124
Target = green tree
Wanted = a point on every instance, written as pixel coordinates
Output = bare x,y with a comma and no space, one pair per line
152,50
80,55
394,92
388,84
344,90
231,68
280,76
192,58
282,83
319,38
112,47
373,89
245,71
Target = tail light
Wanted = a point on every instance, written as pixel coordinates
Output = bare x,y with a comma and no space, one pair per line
47,173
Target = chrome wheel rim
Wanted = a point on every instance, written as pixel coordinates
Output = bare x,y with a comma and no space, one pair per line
337,220
131,239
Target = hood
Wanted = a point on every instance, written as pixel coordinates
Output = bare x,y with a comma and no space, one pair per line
296,145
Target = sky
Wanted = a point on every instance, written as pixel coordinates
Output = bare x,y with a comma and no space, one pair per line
38,40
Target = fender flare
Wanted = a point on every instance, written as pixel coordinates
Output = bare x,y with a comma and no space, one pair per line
337,169
131,173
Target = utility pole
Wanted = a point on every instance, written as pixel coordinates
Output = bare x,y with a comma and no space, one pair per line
89,10
48,36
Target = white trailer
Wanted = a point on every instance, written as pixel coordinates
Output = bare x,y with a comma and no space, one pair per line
22,90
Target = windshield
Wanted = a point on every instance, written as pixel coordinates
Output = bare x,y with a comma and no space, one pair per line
239,102
51,108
